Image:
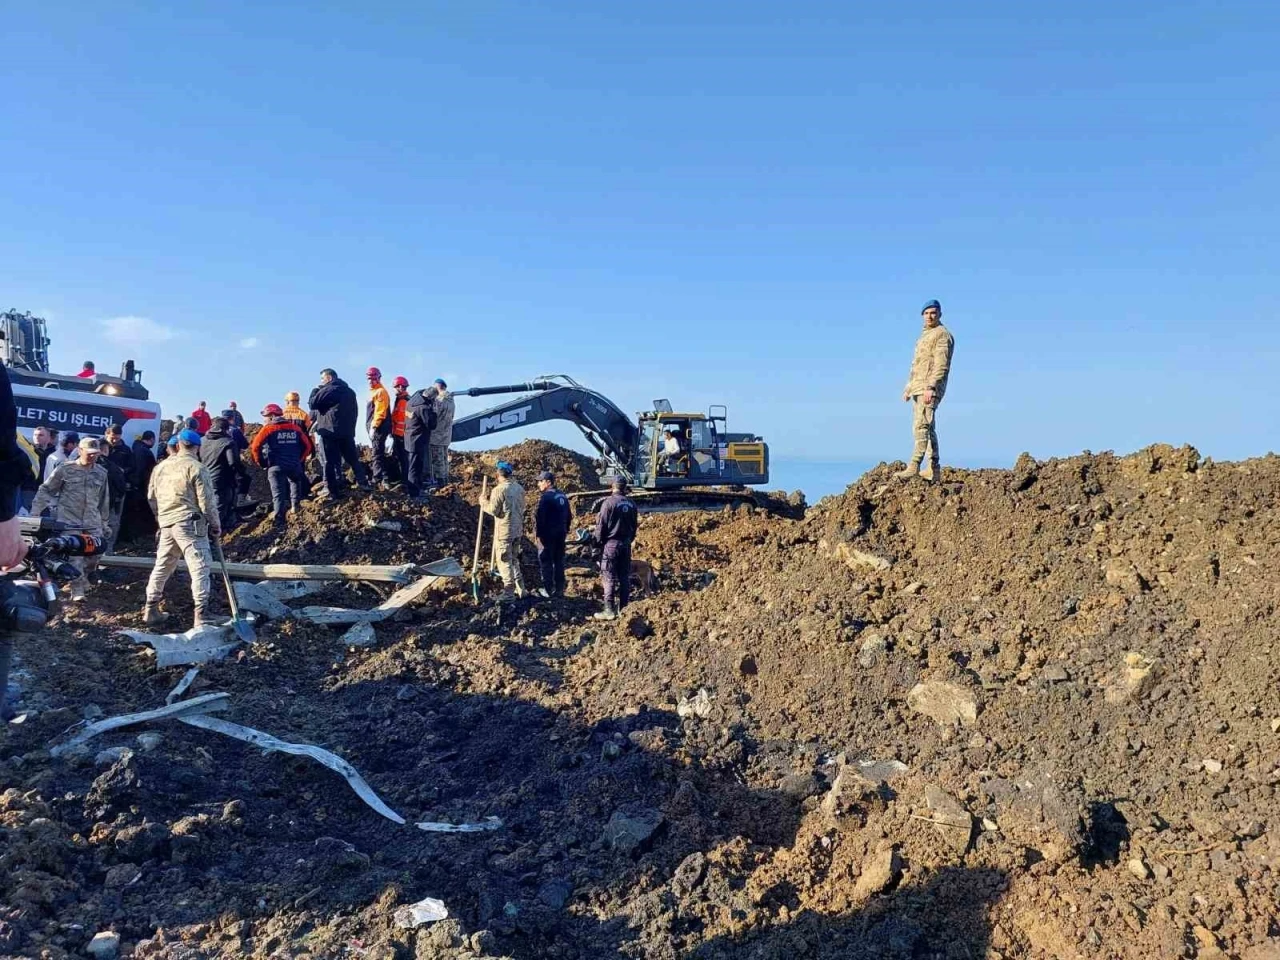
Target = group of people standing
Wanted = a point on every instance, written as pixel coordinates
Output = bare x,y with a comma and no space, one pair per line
616,526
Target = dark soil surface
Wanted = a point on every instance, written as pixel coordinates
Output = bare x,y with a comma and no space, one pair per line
1027,713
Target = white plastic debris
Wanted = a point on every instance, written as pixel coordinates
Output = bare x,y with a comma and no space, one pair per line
699,705
424,911
181,649
488,823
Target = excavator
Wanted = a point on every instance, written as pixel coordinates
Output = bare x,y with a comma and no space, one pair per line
635,449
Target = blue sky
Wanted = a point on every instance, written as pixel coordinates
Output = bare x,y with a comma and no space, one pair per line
713,202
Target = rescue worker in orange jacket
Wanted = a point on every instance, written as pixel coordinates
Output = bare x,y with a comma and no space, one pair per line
294,412
281,446
399,403
377,420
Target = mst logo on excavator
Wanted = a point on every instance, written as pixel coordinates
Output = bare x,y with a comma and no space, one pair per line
505,420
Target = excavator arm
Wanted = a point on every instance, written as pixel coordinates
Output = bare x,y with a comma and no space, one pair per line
605,426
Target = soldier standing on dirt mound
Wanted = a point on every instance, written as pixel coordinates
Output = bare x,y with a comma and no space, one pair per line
506,506
181,496
616,528
927,382
441,433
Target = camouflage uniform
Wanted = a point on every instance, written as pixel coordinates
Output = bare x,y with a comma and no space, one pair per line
83,500
930,367
506,505
441,437
181,496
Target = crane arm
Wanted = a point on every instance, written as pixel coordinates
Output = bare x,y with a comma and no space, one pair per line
604,425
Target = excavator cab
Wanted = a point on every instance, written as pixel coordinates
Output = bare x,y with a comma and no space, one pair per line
707,453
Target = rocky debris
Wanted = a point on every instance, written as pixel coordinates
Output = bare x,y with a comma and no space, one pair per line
689,874
944,703
631,832
148,742
852,798
1035,811
951,820
1135,679
697,705
111,755
1138,868
121,875
104,946
879,872
1124,575
873,649
555,893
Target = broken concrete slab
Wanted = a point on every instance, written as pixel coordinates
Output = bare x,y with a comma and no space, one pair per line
485,825
202,645
374,573
342,616
879,872
253,598
291,589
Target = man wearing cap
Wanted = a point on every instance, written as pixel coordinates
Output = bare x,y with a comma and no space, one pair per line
377,422
441,433
926,383
81,490
138,515
333,409
616,527
551,524
181,496
234,416
506,506
281,447
399,410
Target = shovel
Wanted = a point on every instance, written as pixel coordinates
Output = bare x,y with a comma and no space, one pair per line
243,628
475,563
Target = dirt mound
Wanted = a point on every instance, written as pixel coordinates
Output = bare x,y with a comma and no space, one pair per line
1026,713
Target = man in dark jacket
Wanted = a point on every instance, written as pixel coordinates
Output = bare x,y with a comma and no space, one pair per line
616,528
281,446
550,529
333,410
219,453
139,519
419,421
119,456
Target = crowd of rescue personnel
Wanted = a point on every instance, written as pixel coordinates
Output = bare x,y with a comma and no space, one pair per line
190,492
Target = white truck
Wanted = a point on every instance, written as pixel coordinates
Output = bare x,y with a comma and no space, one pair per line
85,405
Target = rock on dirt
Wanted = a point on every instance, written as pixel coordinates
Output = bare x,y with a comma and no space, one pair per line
104,946
950,819
944,703
879,872
631,832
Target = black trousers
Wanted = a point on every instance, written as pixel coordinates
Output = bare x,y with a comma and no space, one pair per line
335,451
400,454
378,443
286,489
419,466
224,495
551,563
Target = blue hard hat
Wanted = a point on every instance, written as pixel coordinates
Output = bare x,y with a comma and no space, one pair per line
932,303
191,437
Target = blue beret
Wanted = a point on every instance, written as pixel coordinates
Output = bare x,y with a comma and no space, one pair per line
932,303
505,467
191,437
173,441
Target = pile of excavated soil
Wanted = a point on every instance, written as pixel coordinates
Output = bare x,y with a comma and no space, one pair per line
1025,713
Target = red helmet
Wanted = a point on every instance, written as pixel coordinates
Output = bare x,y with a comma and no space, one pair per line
400,382
373,373
272,410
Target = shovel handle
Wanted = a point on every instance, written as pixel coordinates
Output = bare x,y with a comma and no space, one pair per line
226,578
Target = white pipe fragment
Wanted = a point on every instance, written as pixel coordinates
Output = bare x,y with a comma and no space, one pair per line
187,709
488,823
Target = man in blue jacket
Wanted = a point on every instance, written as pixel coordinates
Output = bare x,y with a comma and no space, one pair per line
551,525
334,409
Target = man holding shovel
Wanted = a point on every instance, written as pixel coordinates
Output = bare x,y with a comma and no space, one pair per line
181,496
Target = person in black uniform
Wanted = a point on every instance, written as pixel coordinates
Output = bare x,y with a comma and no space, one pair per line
550,528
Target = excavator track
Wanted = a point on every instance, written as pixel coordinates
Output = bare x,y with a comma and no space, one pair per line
670,501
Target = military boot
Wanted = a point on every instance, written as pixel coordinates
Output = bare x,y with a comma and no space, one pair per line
610,612
200,619
910,473
933,474
152,616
